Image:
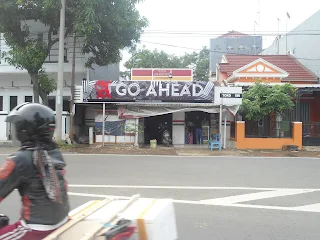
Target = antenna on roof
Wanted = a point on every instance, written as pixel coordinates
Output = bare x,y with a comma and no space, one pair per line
254,37
278,36
259,12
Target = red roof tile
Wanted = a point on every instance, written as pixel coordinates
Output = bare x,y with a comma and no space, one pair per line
288,63
233,34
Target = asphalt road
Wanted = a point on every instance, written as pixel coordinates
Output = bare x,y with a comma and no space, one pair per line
215,197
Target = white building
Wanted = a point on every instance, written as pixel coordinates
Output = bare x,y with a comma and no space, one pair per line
16,86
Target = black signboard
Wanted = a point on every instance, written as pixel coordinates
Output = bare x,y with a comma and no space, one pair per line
149,91
230,95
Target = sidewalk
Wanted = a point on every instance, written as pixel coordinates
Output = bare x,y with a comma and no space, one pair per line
313,152
131,150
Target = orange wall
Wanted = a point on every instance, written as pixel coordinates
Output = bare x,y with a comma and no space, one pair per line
268,143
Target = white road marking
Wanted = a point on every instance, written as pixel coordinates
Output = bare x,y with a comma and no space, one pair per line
252,196
125,197
96,195
264,207
294,209
190,187
309,208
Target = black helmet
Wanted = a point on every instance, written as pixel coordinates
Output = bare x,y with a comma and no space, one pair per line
32,122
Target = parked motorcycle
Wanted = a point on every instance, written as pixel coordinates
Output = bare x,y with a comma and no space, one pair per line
165,133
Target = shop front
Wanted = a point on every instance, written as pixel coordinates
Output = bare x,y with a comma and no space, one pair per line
136,112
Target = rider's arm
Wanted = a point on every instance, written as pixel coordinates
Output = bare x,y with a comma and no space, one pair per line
10,176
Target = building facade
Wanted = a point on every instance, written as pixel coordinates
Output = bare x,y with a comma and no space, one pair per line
302,43
138,111
244,71
16,85
233,43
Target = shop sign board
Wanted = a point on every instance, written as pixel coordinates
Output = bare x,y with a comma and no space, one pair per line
147,91
228,96
162,74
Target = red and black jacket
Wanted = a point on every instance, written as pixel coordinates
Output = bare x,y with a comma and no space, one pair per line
18,172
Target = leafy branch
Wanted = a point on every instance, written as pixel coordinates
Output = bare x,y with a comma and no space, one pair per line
262,99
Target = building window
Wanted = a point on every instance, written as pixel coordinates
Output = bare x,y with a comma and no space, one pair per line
13,102
52,103
1,103
65,106
28,99
65,54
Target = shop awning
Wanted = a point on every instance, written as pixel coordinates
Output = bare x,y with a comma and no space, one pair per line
136,110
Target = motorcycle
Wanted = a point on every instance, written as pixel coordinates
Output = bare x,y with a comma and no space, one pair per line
4,220
166,138
123,230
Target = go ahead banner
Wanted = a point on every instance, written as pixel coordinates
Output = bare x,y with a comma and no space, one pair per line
149,91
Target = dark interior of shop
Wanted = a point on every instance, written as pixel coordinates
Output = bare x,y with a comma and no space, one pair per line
194,120
153,128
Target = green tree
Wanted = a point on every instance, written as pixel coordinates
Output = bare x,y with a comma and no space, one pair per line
107,27
202,65
262,99
145,58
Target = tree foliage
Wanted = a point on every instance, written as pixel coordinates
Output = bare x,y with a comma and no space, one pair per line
107,27
202,65
262,99
145,58
46,82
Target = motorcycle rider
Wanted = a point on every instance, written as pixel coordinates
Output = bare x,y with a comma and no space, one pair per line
36,170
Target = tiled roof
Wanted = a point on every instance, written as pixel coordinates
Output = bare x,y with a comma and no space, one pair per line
288,63
233,34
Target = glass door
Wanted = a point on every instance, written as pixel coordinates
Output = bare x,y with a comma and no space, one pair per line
205,133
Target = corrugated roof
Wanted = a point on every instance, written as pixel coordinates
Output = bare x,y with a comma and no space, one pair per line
288,63
164,104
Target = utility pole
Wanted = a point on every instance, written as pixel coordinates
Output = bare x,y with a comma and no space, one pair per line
288,17
73,82
59,96
254,35
278,35
259,16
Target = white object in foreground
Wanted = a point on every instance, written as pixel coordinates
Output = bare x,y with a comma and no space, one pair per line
154,219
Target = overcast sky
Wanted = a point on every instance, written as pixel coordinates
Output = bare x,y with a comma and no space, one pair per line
201,20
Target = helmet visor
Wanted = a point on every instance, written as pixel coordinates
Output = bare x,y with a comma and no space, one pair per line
14,135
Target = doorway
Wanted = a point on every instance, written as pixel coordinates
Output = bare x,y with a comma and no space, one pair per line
195,120
152,127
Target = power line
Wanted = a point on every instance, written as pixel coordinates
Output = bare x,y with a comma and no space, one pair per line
225,32
215,51
221,34
210,36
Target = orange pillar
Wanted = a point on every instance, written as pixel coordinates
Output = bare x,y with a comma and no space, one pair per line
240,134
297,134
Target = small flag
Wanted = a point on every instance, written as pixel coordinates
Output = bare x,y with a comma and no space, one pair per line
288,15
